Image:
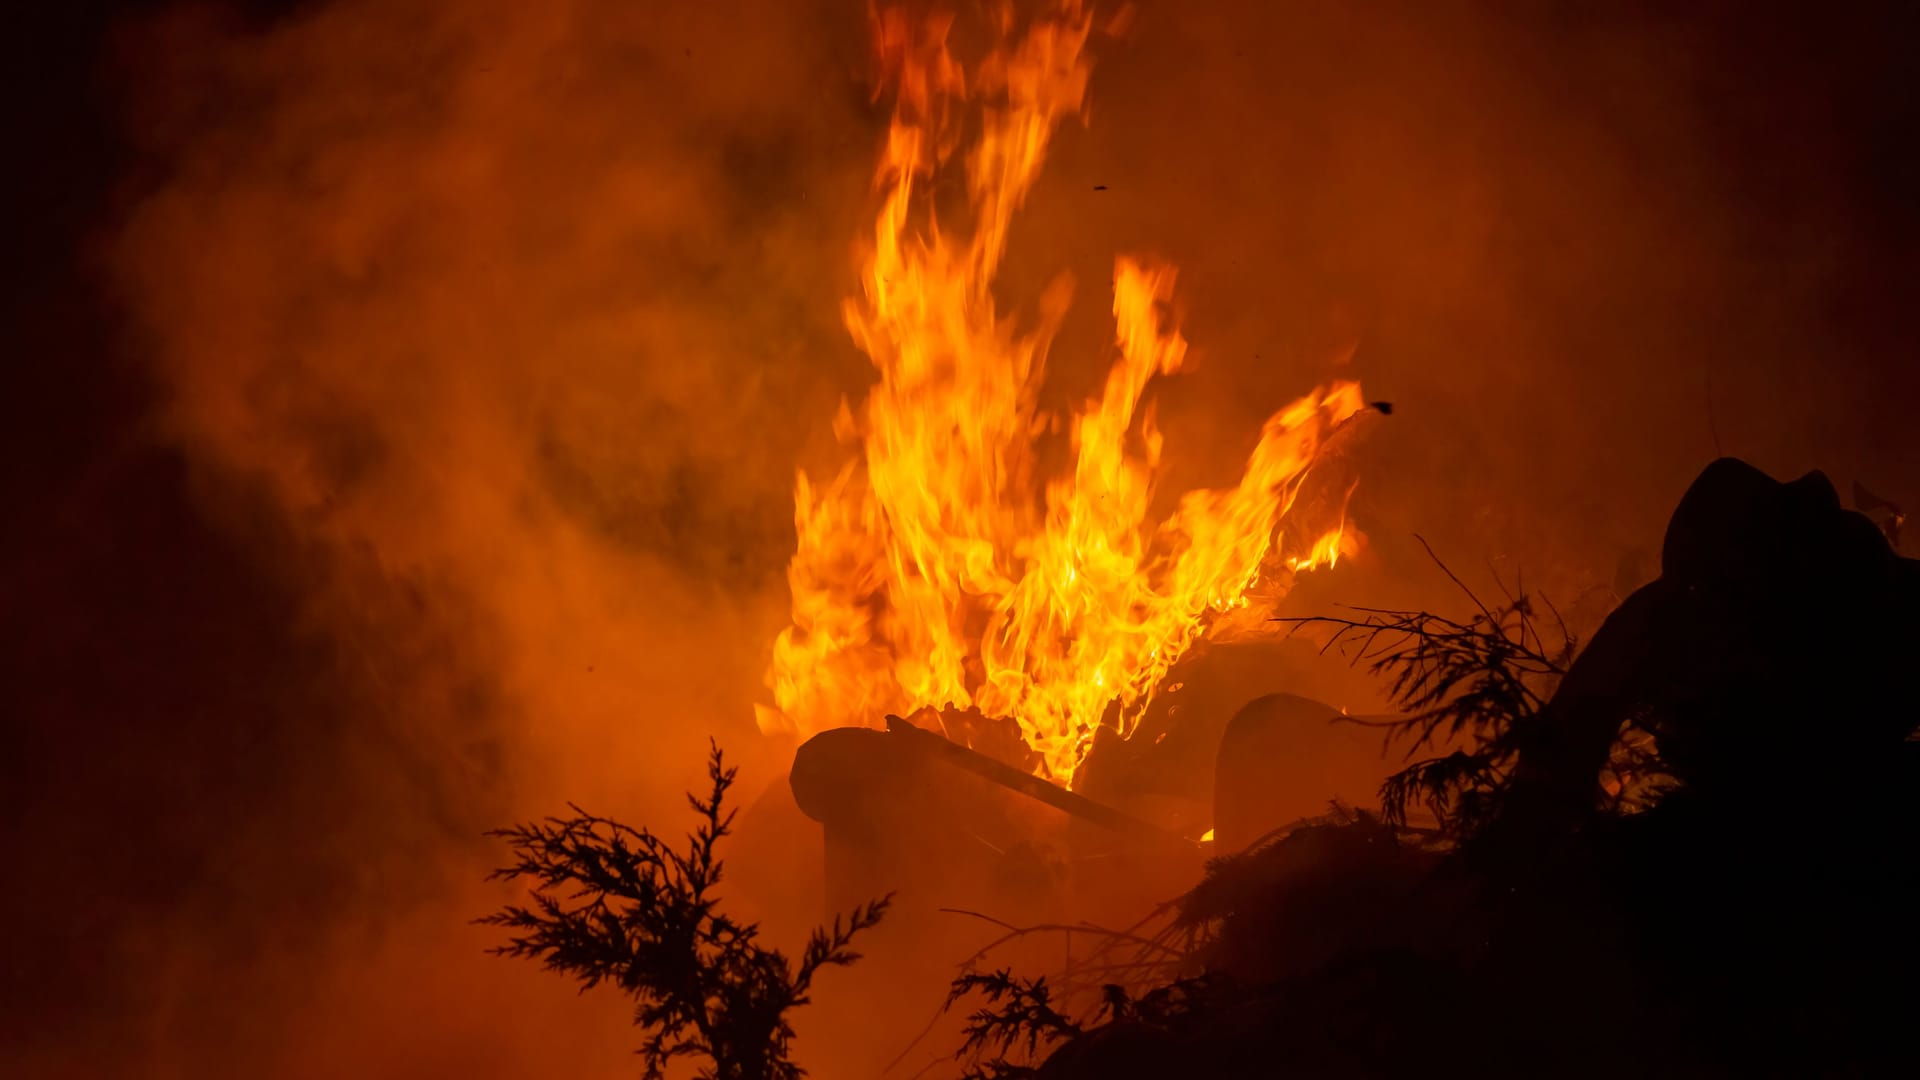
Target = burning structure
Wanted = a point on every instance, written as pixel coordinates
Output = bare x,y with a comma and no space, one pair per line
944,568
1003,586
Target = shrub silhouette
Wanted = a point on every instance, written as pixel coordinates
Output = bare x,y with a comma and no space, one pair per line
618,905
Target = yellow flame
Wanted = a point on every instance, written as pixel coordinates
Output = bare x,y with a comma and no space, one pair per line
938,569
1325,551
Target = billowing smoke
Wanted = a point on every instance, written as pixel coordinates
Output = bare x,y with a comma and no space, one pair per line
499,329
492,333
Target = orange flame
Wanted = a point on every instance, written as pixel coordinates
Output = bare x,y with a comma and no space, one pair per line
935,570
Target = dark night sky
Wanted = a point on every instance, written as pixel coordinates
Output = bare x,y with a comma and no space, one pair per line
161,712
123,605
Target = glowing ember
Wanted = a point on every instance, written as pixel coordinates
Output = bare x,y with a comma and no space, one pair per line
936,570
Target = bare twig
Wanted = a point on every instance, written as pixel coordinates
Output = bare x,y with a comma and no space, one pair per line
1445,569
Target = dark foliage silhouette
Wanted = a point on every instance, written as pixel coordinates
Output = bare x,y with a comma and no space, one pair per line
1487,678
617,905
1019,1019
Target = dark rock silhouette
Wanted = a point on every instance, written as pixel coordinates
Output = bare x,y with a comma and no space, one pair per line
1774,650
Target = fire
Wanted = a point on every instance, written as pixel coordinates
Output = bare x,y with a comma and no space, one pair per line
938,569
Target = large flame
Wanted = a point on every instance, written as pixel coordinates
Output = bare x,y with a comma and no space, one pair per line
932,572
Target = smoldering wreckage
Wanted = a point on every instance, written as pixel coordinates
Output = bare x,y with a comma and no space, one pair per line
1023,717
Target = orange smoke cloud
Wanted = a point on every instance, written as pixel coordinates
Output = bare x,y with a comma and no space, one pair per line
493,325
464,293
